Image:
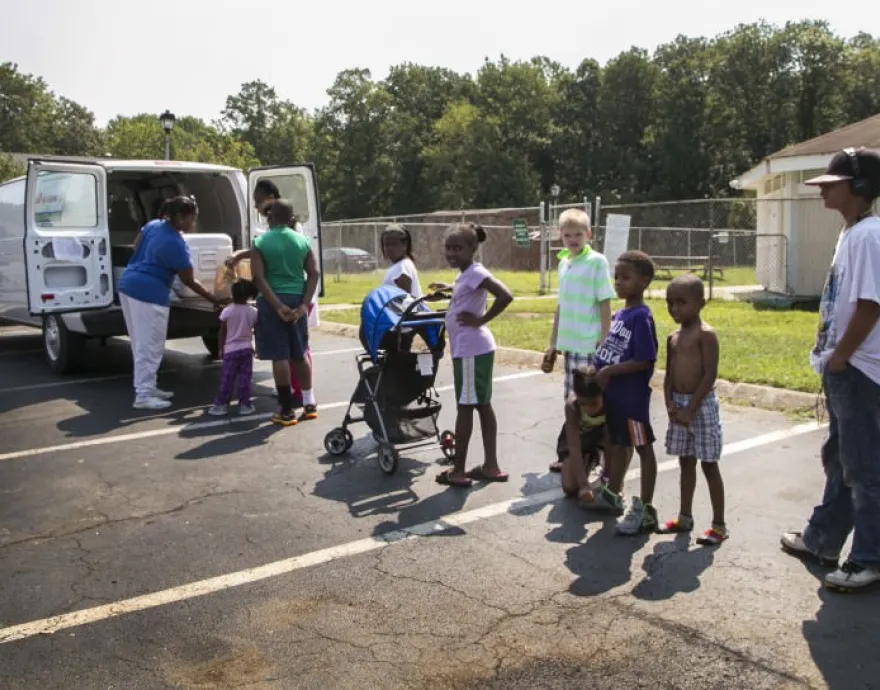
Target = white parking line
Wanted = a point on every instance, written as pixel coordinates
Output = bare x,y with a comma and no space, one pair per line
47,626
198,426
346,351
115,377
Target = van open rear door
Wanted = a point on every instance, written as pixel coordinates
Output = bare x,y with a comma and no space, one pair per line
67,239
299,185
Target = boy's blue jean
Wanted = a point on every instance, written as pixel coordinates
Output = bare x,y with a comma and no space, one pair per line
851,457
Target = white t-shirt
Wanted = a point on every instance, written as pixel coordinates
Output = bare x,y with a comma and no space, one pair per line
404,267
854,276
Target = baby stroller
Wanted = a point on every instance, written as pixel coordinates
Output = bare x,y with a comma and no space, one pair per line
395,394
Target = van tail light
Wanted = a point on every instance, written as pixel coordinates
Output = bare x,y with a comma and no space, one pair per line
47,297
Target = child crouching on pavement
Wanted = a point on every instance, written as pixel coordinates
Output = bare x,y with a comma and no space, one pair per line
583,438
694,431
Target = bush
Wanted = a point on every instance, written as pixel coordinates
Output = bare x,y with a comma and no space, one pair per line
10,168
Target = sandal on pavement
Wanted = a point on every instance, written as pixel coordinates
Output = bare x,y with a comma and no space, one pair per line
477,474
447,479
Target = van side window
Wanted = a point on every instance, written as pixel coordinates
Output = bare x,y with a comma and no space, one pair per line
66,200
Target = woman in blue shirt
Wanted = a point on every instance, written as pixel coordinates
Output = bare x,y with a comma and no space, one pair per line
160,254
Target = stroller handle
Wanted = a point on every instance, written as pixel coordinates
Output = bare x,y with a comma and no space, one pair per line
411,316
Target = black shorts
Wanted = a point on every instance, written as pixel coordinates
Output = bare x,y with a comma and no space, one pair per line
627,432
592,440
277,340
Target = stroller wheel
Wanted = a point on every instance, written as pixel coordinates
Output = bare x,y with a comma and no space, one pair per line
447,444
338,441
388,457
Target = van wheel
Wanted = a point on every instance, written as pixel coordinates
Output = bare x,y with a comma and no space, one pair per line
64,351
211,339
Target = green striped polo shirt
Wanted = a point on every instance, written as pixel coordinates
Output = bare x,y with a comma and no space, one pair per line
584,282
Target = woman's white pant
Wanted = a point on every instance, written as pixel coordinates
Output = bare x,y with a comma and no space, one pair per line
147,326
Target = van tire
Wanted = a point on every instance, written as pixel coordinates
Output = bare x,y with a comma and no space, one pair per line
211,339
64,351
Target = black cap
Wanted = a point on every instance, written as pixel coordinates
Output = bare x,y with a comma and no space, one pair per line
851,164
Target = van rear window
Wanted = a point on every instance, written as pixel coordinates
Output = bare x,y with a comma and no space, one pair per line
66,200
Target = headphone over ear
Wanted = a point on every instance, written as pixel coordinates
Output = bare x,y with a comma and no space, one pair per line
858,185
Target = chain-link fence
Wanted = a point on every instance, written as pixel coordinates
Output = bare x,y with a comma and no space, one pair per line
781,245
353,246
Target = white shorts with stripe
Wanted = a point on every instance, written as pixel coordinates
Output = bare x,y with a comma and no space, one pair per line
473,379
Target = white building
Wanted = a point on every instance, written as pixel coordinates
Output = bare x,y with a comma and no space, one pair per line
796,233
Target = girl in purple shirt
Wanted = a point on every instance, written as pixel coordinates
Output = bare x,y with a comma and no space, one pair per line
473,353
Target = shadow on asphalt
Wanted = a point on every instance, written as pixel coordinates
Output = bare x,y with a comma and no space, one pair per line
843,638
604,561
674,568
246,437
105,403
356,480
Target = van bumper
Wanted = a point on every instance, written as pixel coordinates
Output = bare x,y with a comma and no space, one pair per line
109,323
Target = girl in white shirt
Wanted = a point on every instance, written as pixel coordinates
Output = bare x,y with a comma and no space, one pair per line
397,248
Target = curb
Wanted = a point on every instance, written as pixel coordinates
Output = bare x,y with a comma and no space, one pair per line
738,393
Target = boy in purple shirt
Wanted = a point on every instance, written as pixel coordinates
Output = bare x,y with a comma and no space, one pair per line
625,361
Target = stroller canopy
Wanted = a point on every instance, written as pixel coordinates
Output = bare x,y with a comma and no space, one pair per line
385,308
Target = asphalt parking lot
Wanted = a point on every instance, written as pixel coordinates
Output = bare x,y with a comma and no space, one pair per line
172,550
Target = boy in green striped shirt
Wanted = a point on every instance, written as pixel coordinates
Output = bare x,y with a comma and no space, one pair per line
583,315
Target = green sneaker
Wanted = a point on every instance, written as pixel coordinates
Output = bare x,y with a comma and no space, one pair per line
602,500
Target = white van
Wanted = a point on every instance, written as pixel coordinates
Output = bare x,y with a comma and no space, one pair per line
67,230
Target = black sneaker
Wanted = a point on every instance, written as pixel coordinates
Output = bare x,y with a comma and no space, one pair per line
309,412
285,418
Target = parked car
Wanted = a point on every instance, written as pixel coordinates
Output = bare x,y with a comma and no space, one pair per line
68,227
348,260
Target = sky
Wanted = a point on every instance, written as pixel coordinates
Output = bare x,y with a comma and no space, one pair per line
121,57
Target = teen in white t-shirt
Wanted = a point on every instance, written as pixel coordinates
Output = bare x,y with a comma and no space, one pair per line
854,276
397,248
847,355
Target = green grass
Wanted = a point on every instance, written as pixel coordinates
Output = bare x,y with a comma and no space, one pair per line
767,347
352,288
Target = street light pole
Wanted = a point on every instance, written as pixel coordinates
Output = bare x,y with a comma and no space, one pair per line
554,192
167,119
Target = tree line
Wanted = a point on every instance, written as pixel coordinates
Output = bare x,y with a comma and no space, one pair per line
675,124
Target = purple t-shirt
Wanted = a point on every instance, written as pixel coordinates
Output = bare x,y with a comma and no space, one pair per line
240,320
632,338
468,296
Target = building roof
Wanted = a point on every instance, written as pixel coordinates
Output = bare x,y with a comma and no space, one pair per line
864,133
813,154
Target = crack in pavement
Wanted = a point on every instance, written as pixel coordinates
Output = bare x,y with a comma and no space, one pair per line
694,634
56,534
518,433
378,566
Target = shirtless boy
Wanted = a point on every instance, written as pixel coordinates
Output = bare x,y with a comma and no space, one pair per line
694,417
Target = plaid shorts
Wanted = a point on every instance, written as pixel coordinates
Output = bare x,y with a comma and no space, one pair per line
702,439
572,362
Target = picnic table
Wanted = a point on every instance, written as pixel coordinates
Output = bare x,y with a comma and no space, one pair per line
665,265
